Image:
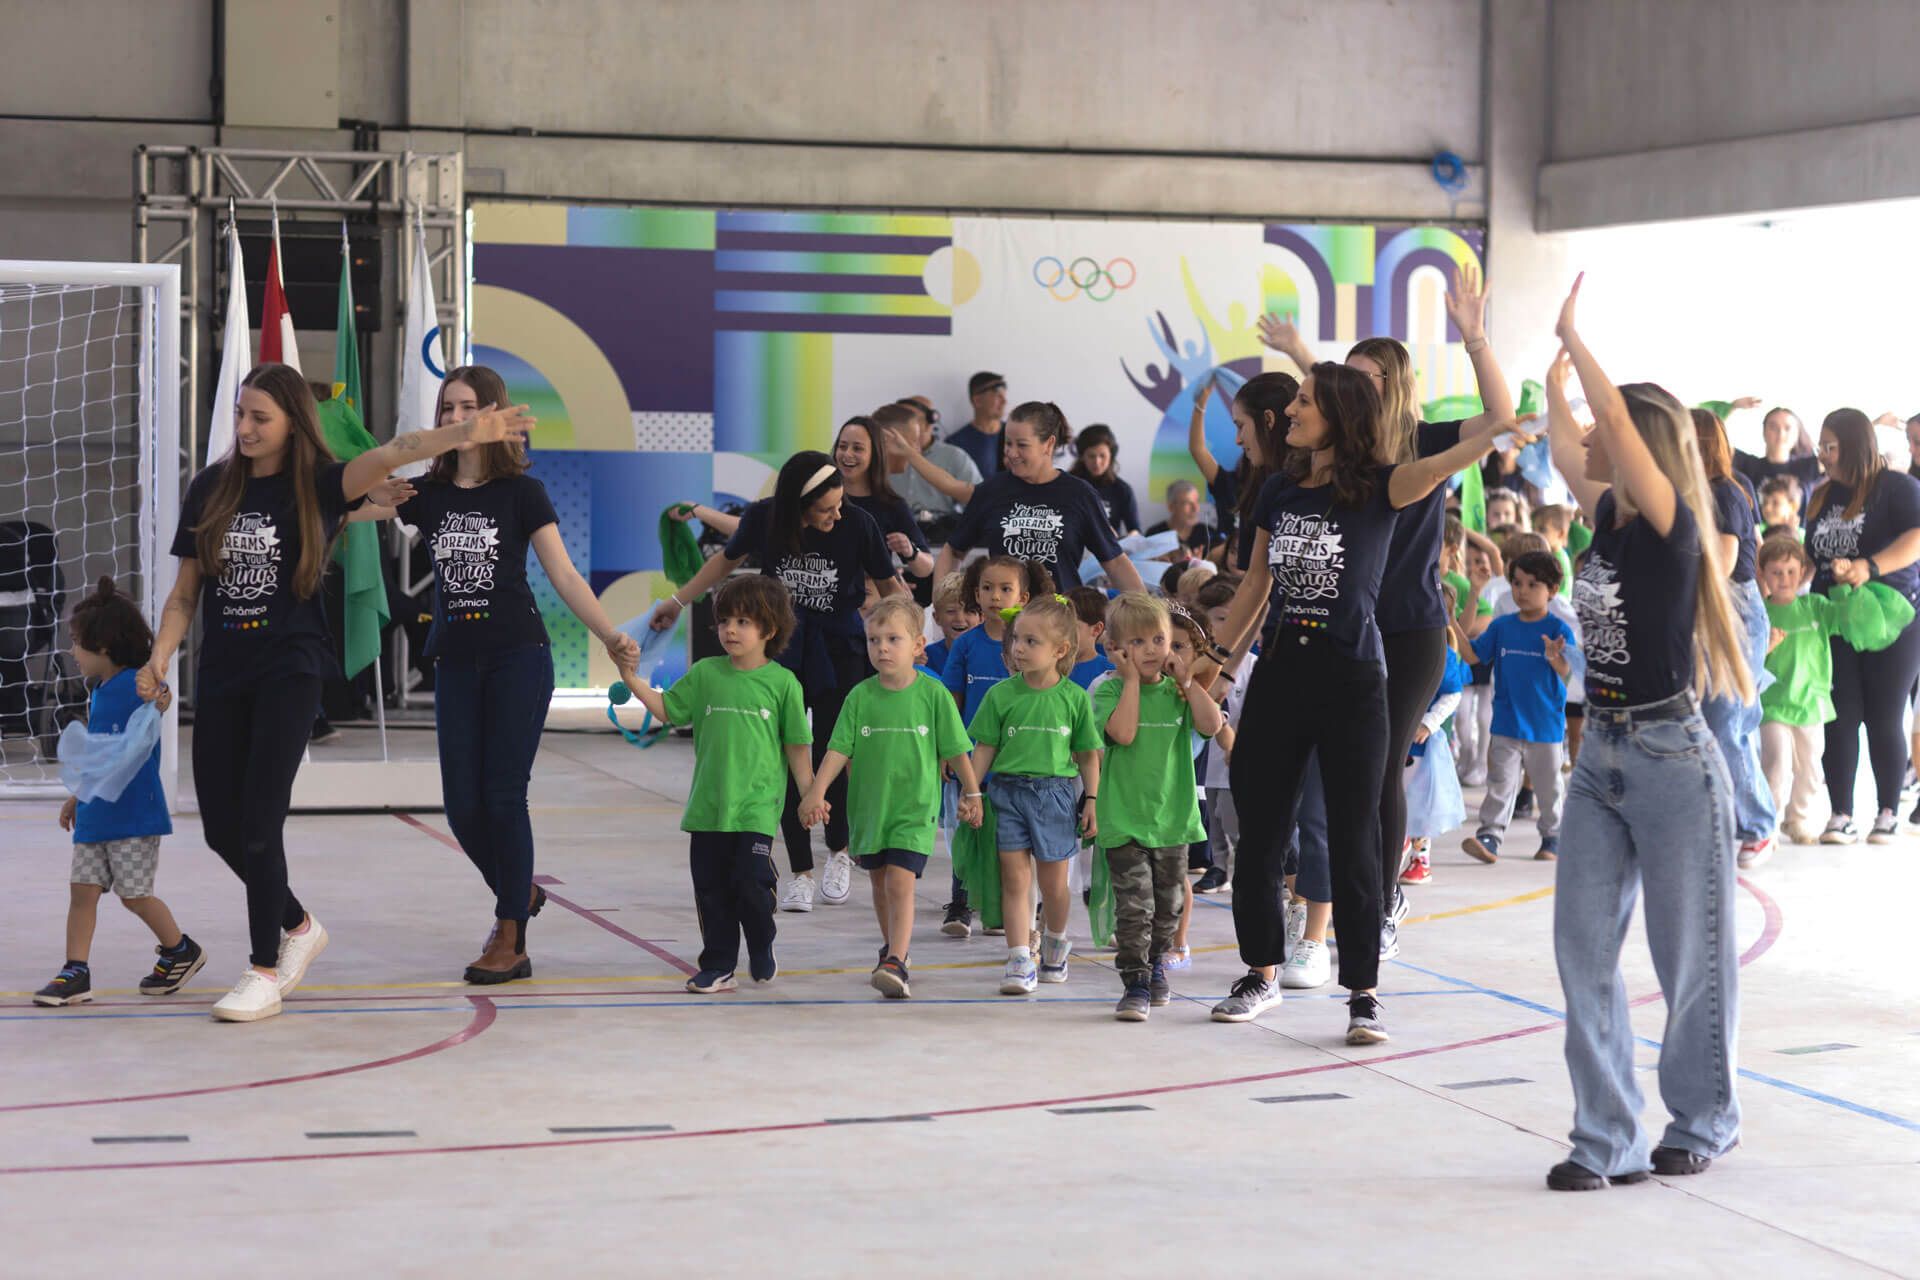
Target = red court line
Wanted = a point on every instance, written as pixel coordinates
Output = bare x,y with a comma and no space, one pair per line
484,1013
666,956
1760,947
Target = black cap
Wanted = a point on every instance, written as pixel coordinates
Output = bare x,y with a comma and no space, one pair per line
984,381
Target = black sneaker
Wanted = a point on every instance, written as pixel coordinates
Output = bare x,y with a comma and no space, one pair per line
172,970
1568,1176
72,985
959,921
1158,987
1678,1162
1213,880
1363,1021
711,982
890,978
763,968
1133,1005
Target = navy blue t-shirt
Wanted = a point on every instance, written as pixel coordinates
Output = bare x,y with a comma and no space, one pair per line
1733,513
1635,596
1224,489
984,449
1117,500
893,516
829,572
1891,509
482,604
254,626
1529,697
1327,561
1053,523
1758,470
1410,597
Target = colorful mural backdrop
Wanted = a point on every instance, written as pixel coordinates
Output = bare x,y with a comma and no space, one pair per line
682,354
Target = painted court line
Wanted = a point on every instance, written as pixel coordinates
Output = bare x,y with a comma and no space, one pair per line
1307,1097
1098,1111
611,1128
1488,1084
877,1119
139,1138
363,1133
1816,1048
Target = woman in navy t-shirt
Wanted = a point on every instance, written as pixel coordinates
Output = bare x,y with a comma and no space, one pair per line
1323,529
1863,526
828,552
861,456
255,529
1097,461
1649,801
478,512
1236,489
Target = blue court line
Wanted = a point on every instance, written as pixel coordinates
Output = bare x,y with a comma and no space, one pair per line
1858,1108
675,1002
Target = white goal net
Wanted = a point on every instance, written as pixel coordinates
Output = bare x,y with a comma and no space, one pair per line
89,483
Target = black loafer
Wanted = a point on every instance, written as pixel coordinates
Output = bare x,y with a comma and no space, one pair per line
1676,1162
1568,1176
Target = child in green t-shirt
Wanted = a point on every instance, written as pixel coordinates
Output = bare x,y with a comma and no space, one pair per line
1799,702
895,729
1554,522
750,731
1148,813
1034,732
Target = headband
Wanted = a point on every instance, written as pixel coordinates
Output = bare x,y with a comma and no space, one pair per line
1008,615
820,477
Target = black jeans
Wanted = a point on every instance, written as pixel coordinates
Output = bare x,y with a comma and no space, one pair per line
247,747
1415,662
733,881
1870,689
825,705
488,715
1305,696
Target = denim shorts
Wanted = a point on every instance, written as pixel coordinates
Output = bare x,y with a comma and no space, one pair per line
906,859
1035,814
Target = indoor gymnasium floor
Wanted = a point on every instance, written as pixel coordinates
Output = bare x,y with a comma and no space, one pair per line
598,1121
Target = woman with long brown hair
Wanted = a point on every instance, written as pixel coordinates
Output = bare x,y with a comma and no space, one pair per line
1259,428
1863,525
255,530
859,450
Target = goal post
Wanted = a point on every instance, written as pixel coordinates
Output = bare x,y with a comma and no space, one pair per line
89,483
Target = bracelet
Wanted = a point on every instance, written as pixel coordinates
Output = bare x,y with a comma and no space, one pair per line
1085,798
1477,344
675,597
969,795
1873,567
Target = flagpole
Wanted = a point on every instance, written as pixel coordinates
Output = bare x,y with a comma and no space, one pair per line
380,704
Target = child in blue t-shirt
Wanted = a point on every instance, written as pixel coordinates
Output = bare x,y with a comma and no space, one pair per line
1090,608
1531,653
955,613
116,834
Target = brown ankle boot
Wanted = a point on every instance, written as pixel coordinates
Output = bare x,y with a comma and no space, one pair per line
505,958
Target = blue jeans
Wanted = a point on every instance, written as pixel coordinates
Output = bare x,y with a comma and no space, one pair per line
1736,725
1648,804
489,715
1312,865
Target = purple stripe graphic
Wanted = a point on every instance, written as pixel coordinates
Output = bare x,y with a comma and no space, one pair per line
822,282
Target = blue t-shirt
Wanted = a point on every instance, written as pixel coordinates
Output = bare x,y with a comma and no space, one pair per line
984,449
141,809
1085,673
936,659
1054,523
1733,512
1454,677
1635,596
1326,562
1529,697
1410,598
975,663
829,572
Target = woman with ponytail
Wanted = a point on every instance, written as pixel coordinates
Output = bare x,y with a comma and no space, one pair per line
1650,800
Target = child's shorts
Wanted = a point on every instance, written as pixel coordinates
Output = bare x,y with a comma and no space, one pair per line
1036,814
906,859
124,866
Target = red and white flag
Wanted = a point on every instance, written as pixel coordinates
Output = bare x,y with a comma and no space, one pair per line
277,344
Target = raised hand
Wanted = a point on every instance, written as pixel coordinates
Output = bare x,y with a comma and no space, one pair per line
896,441
1748,402
1279,332
1564,328
1558,374
1124,665
1467,301
1201,397
509,423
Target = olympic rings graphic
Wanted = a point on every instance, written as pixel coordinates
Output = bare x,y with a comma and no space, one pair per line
1084,276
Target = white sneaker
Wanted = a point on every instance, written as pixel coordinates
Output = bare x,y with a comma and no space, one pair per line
1296,924
1389,940
1053,958
297,951
1021,976
797,893
254,997
1840,830
1307,966
1886,828
836,880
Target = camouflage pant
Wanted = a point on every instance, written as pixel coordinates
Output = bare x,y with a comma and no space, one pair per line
1148,899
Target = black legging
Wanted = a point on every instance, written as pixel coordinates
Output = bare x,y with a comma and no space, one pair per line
247,748
1870,689
825,705
1304,696
1415,662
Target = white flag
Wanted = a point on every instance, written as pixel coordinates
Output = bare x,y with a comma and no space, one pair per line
422,365
236,356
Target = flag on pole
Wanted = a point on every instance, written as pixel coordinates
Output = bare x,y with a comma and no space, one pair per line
277,345
236,356
421,363
358,550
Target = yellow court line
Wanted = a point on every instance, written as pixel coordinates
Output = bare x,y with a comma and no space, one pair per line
1519,899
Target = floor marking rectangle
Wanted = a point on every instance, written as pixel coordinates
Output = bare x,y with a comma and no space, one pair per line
1096,1111
1306,1097
876,1119
366,1133
145,1137
1817,1048
611,1128
1487,1084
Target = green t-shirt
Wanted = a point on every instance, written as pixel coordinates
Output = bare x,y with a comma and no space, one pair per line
1146,786
742,722
1034,732
1802,664
1579,538
896,739
1466,602
1566,571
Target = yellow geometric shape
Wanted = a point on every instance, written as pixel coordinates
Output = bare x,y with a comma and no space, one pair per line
951,275
598,415
501,223
624,598
966,276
